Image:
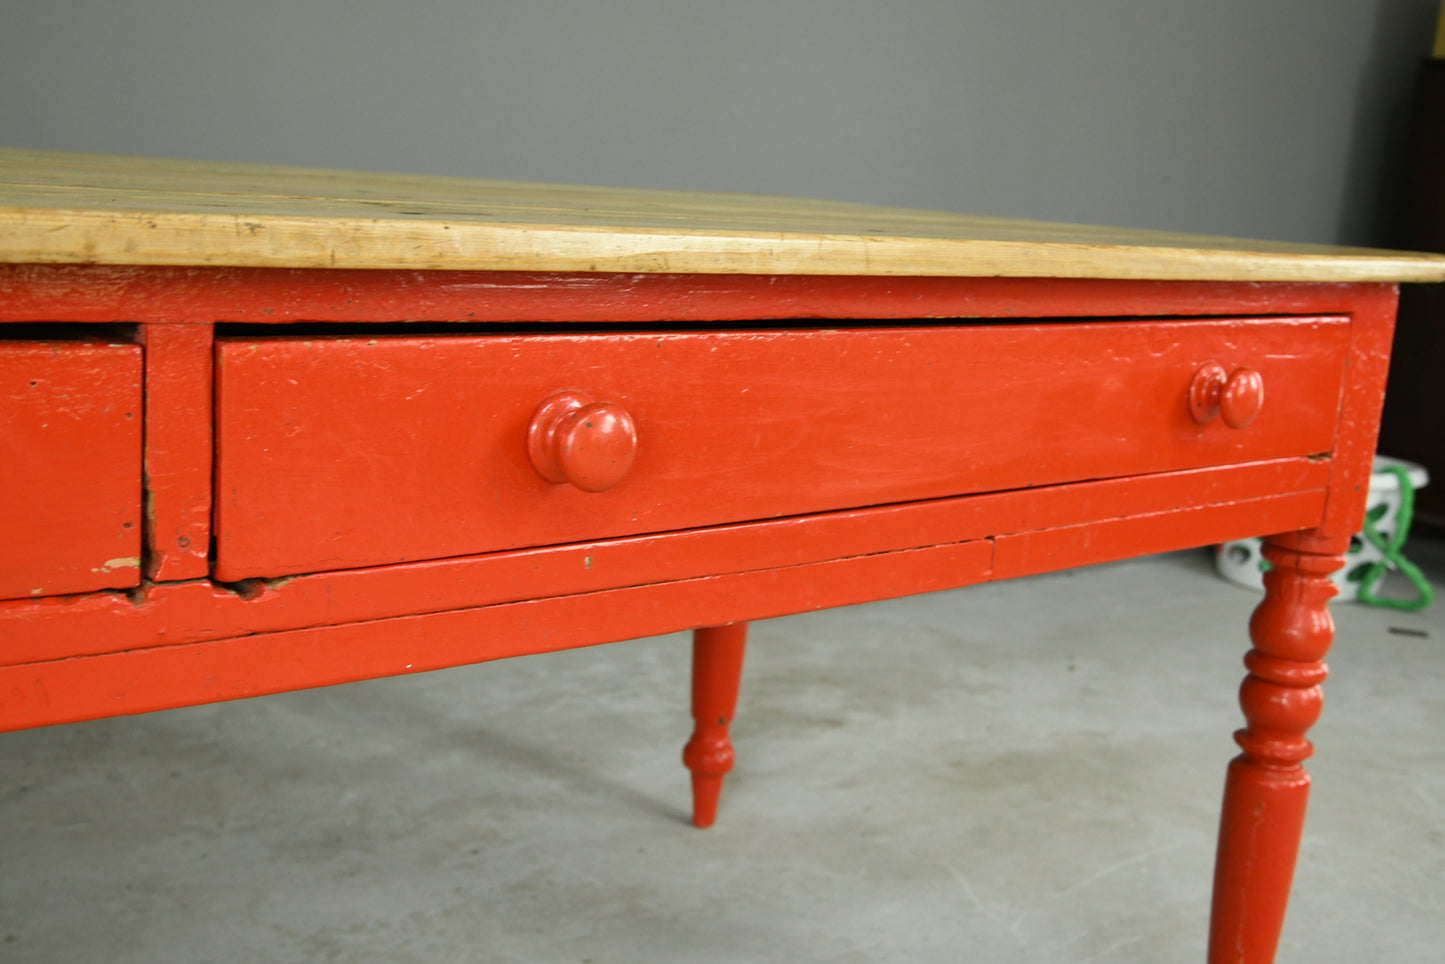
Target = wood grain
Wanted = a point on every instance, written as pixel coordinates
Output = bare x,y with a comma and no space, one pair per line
61,208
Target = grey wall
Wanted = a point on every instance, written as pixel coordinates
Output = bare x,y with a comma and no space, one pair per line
1265,118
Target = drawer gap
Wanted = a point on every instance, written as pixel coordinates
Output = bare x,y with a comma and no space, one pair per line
403,328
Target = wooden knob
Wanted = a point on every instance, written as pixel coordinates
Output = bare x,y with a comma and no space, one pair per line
1242,399
1237,396
1204,391
577,440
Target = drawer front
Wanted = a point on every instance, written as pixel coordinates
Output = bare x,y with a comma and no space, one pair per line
70,467
342,452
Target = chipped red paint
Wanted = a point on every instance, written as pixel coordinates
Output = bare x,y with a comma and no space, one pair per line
386,483
70,466
178,451
51,628
577,440
429,456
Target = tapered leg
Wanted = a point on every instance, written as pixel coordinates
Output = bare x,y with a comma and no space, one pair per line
717,667
1267,786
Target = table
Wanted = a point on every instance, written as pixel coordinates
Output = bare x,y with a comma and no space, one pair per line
272,428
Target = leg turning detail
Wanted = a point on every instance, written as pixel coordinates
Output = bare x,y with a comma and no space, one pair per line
717,667
1267,786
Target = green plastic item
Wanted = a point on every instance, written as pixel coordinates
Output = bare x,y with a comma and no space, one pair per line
1391,547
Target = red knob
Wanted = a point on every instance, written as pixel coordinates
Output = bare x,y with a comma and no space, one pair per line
587,443
1204,391
1237,397
1242,399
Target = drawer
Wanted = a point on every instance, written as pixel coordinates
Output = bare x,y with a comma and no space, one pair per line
340,452
70,466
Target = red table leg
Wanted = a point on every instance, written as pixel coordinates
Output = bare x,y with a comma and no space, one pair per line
1267,787
717,668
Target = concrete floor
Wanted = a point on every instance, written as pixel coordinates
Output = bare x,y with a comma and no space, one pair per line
1023,772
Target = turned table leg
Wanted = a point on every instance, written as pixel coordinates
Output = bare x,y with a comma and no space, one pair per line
717,667
1267,786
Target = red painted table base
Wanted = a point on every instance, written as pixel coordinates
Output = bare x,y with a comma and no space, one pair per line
1116,463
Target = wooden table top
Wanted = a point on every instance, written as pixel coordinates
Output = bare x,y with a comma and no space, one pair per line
62,208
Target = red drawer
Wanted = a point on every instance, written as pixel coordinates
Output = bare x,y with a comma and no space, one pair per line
70,466
340,452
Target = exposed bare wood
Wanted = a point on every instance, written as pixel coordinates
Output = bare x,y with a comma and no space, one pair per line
61,208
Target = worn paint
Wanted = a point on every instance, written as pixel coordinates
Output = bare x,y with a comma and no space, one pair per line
832,419
869,454
178,457
73,485
110,565
188,612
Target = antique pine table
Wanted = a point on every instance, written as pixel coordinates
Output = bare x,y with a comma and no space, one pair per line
269,428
